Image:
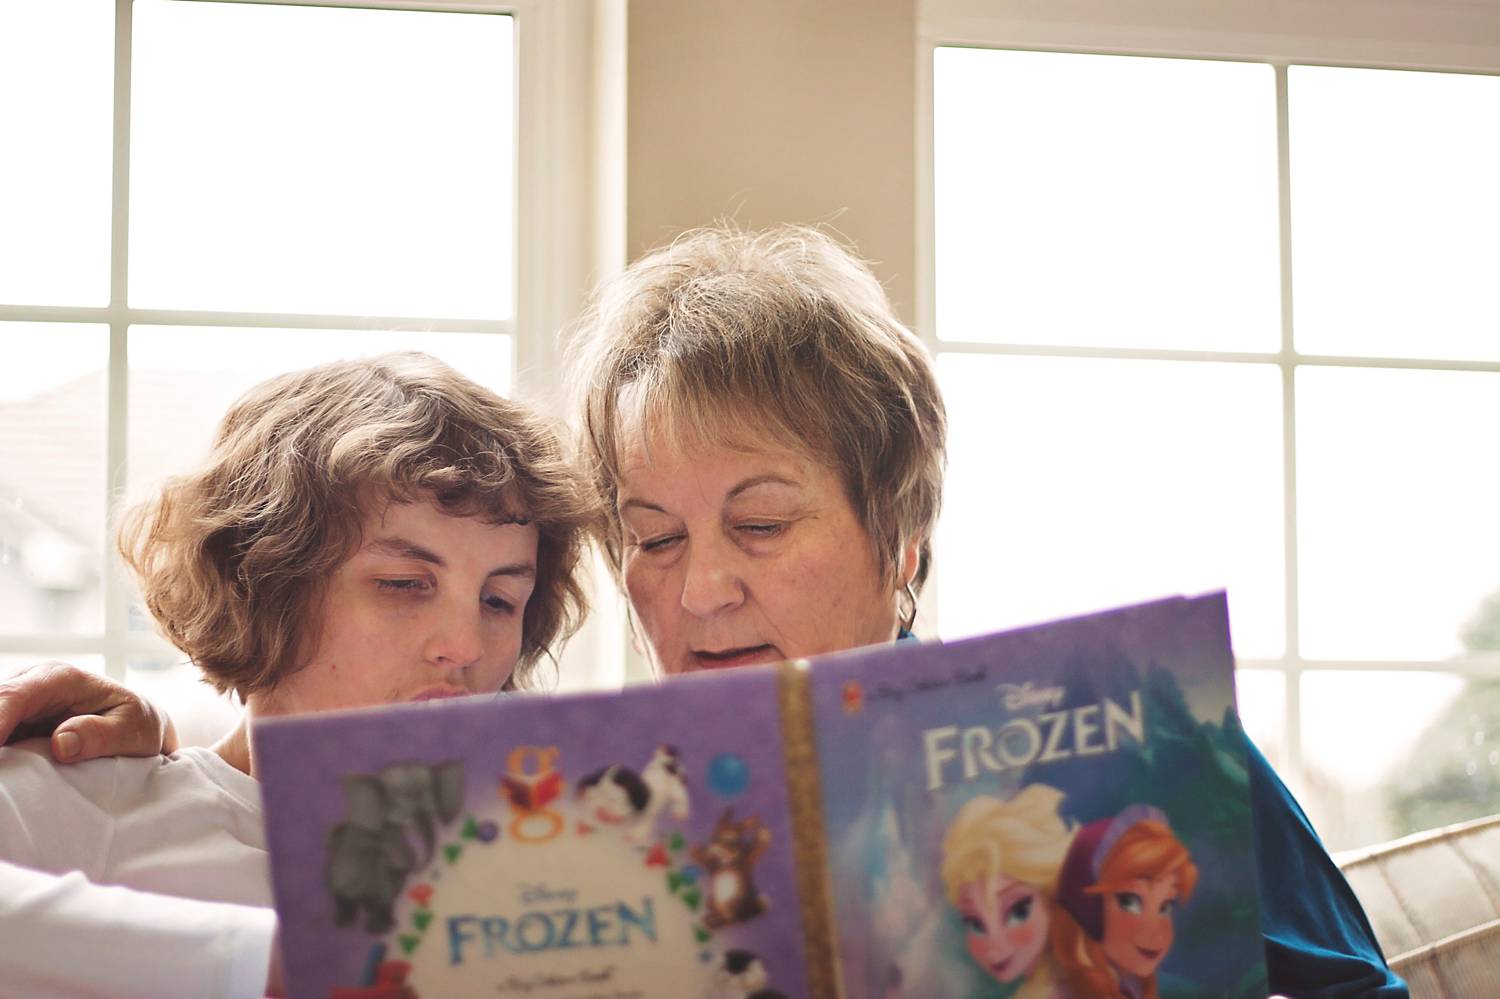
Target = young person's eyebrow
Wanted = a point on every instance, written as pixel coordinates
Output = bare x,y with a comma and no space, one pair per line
402,548
518,570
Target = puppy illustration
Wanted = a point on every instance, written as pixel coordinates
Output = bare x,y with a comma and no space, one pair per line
616,797
728,857
742,975
613,797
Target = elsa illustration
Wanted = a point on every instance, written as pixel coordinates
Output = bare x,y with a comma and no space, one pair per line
1000,864
1121,883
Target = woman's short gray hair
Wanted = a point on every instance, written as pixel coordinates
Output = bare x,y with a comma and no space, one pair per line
733,337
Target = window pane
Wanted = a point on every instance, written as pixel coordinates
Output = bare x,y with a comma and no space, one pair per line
1261,697
52,477
1079,484
1395,753
1105,200
15,662
1394,212
182,378
57,119
176,686
321,160
1397,489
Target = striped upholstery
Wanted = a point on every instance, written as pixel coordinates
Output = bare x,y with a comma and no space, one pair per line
1434,902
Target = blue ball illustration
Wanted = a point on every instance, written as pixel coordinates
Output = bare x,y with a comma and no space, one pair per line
728,775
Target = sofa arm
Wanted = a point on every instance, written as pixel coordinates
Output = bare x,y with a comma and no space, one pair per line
1434,903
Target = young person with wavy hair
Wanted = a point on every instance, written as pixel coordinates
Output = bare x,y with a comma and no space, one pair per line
365,532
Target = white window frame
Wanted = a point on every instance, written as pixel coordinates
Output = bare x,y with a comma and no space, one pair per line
1429,35
551,254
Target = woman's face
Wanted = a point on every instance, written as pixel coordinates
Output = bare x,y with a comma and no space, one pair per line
430,605
1138,923
1006,923
734,557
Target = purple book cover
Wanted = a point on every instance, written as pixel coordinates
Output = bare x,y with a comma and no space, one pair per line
1058,811
603,846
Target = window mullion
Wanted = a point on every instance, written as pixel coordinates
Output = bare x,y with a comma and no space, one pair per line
1287,363
116,616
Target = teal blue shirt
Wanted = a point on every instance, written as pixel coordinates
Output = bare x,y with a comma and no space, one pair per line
1319,944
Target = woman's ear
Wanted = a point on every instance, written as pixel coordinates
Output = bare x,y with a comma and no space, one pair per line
911,558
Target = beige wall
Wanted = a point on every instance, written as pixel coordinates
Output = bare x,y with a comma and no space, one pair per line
775,111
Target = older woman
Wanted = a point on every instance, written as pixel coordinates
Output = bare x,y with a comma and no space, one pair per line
365,532
767,443
768,440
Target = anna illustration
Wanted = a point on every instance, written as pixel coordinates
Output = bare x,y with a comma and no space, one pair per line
1121,882
1000,863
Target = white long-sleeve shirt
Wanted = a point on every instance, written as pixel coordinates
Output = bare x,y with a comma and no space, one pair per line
157,847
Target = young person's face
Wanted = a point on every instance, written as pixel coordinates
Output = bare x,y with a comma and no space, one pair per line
1138,923
734,557
429,605
1006,924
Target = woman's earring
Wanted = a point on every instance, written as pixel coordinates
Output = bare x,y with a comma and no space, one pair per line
911,614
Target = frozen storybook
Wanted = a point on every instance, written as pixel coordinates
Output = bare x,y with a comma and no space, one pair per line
1057,812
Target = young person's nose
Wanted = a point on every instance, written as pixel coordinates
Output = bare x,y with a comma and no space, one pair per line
456,636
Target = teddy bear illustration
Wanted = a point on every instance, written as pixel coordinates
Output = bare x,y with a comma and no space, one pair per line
727,857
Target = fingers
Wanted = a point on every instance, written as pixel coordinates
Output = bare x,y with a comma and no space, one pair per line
88,715
31,700
87,737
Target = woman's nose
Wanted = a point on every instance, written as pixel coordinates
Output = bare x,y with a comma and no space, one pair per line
712,582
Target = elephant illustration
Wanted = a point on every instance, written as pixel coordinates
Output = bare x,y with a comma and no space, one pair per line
389,832
420,798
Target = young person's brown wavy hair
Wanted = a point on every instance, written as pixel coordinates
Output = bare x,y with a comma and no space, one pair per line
729,337
232,558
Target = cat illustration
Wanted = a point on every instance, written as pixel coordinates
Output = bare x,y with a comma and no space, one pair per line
727,857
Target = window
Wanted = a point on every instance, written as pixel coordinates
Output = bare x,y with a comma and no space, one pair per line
1207,322
199,195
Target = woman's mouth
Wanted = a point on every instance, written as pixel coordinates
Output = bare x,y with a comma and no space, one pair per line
742,656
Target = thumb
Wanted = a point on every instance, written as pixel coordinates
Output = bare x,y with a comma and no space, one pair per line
87,737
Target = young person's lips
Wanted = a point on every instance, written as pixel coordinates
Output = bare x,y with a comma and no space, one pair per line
439,692
1148,954
742,656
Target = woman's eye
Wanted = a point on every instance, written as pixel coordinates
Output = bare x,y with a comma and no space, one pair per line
1167,907
1128,901
658,544
761,530
973,925
403,585
1019,913
497,603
